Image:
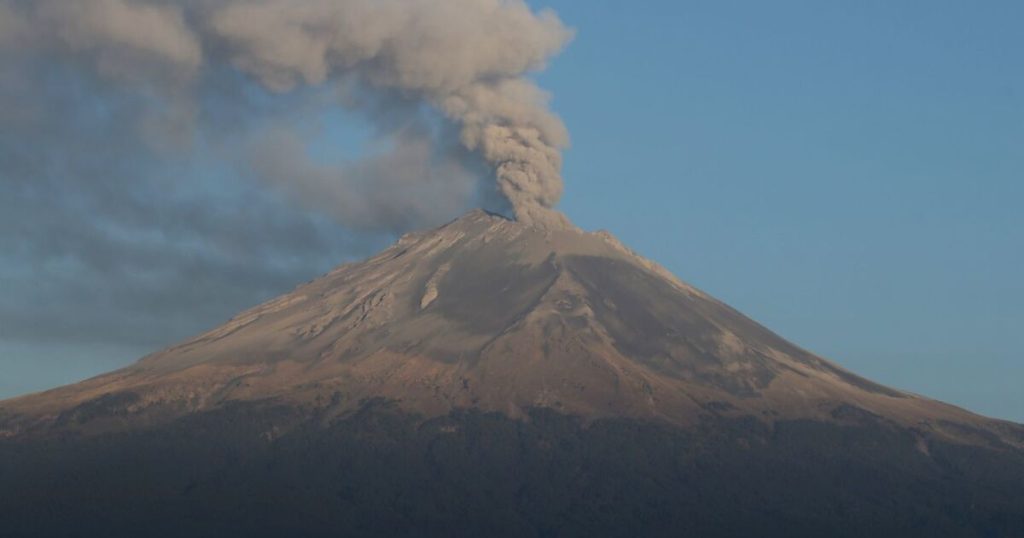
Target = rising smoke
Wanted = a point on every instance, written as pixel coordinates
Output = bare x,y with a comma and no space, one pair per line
466,60
166,163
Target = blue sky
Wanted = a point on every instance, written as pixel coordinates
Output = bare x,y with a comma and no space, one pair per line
850,174
847,173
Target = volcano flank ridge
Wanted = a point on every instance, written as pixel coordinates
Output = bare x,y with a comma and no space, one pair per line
491,377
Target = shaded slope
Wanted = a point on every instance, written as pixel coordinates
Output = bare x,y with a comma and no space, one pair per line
252,470
489,378
487,313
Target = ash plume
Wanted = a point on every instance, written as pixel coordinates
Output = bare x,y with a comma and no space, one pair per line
159,155
468,60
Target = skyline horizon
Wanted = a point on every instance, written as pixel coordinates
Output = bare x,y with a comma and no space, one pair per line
847,176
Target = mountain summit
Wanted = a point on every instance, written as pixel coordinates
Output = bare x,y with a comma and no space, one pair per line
524,326
489,313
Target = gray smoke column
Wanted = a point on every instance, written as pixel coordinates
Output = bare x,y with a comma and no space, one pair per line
469,60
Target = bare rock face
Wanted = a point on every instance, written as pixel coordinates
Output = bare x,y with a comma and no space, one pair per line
496,378
491,314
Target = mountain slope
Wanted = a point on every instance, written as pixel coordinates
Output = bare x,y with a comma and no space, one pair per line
491,314
490,378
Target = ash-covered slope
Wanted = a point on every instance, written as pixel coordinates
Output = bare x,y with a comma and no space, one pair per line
490,378
491,314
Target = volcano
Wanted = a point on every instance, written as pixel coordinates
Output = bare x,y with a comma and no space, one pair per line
494,378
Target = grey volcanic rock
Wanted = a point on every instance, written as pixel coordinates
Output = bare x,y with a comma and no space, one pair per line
491,314
495,378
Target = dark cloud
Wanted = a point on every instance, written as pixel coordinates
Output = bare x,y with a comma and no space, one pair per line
162,162
106,238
